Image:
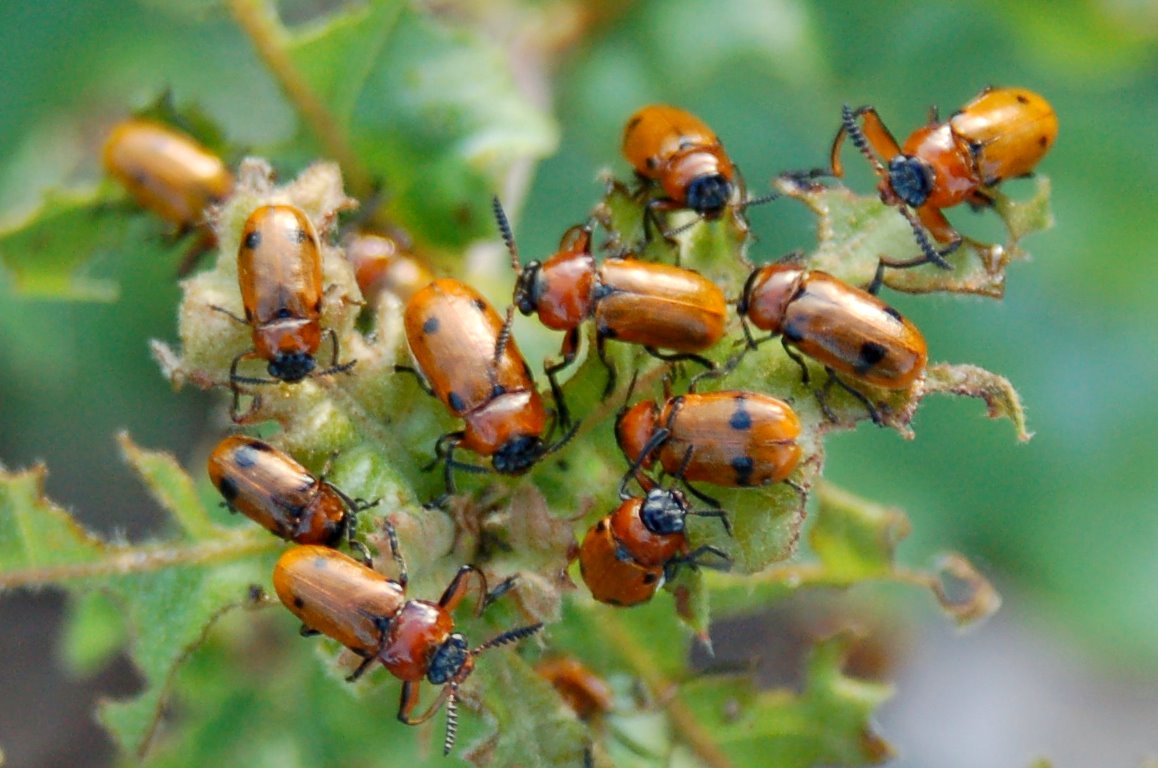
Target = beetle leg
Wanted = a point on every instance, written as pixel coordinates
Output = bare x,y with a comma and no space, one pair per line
335,366
878,279
675,357
569,349
409,701
822,397
396,553
307,631
361,669
651,220
234,379
601,348
422,382
225,311
874,136
505,586
695,559
876,133
459,585
796,358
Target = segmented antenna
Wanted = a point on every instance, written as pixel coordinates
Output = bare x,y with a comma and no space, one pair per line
511,636
505,231
848,117
451,720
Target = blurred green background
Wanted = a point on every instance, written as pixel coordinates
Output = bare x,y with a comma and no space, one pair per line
1067,525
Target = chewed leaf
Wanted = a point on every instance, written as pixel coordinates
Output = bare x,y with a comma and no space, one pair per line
171,486
999,395
855,541
781,727
963,593
169,593
856,231
46,251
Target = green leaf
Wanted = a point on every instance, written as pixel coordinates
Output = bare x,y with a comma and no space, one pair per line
856,541
46,251
530,728
170,592
827,723
999,395
854,231
94,632
431,110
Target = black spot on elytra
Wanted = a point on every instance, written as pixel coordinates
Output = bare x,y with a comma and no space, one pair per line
652,163
246,456
253,240
871,353
792,332
1022,98
456,402
633,122
650,578
743,467
740,420
479,304
894,314
228,488
298,602
299,235
1043,141
430,327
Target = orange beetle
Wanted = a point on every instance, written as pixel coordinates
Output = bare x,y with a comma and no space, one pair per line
679,152
279,269
279,494
383,264
467,358
657,306
582,690
847,330
369,613
170,174
626,556
1000,134
728,438
166,171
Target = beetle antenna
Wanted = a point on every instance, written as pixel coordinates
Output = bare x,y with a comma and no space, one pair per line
510,636
566,438
504,336
848,117
508,236
451,720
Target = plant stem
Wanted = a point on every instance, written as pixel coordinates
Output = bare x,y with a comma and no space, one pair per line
120,561
689,729
258,19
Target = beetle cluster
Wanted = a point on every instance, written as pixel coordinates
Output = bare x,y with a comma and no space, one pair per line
464,353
